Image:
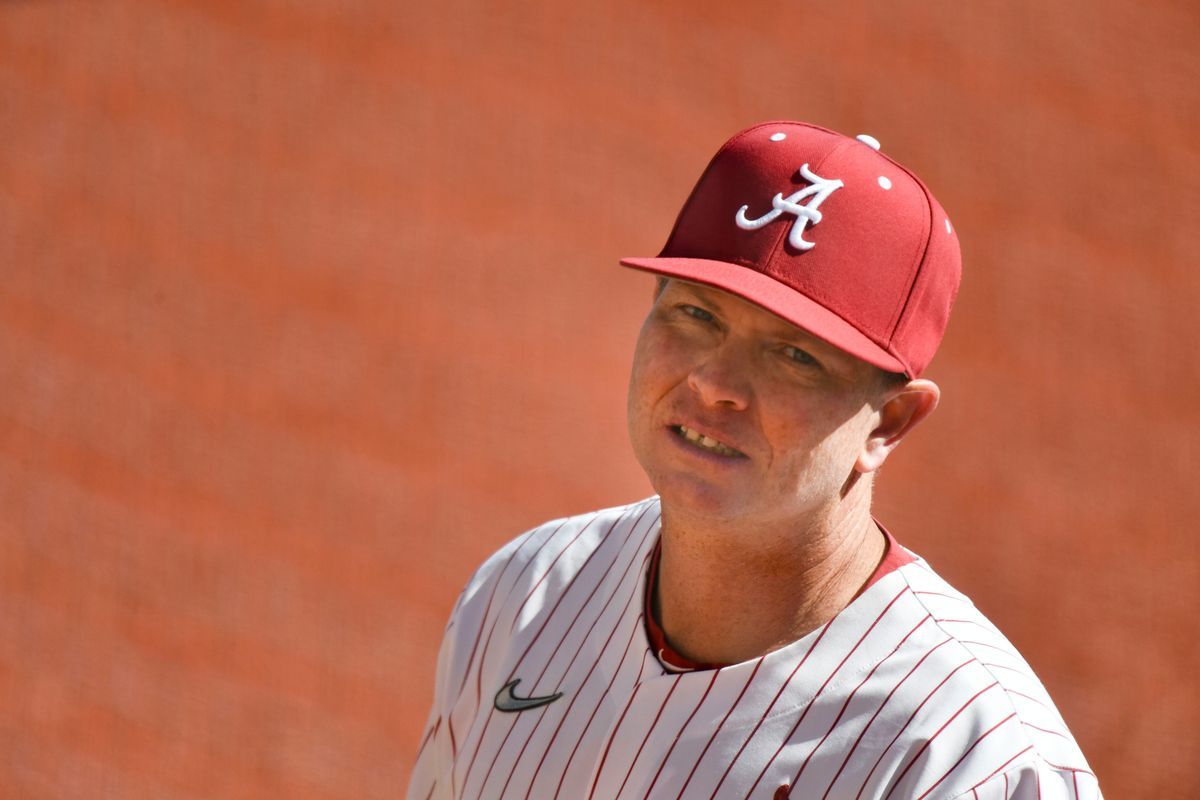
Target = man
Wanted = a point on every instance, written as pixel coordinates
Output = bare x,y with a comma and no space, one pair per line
752,632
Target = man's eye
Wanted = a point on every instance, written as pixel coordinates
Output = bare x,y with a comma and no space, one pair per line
698,313
799,356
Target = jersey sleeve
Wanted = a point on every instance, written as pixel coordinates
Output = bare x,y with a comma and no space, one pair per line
1037,780
432,775
424,780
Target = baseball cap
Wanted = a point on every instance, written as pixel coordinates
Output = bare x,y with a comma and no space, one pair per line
826,232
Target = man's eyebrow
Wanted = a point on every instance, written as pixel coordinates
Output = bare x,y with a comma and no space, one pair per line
793,332
798,336
703,295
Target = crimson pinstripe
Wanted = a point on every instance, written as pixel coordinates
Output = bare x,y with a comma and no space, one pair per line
541,629
927,742
646,738
903,727
515,615
571,625
809,706
763,719
612,737
488,608
713,738
833,725
885,700
682,727
559,645
875,716
571,704
963,757
516,547
592,716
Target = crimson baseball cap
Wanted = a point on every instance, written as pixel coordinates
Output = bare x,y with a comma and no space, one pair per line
826,232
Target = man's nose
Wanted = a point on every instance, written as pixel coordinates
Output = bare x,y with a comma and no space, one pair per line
722,378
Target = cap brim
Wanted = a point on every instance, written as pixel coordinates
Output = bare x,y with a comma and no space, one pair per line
781,300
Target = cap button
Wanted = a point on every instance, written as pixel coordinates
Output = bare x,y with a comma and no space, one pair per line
868,140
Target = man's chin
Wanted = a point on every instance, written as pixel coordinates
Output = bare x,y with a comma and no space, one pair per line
690,496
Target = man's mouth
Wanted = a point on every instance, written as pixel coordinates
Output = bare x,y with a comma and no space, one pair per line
705,442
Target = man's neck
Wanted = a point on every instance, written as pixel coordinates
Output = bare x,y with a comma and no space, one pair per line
726,595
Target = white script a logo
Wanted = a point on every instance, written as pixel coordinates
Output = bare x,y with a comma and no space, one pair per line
818,189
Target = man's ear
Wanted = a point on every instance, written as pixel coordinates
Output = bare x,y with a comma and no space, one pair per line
900,412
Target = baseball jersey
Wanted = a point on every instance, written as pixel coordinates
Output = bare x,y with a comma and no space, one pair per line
548,687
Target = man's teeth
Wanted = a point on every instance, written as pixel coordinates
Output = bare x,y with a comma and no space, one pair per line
707,442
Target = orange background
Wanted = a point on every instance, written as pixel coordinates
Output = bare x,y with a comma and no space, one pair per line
307,307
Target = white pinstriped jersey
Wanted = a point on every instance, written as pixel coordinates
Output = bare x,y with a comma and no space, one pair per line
909,692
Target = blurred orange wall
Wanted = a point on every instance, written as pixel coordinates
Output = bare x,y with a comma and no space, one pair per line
307,308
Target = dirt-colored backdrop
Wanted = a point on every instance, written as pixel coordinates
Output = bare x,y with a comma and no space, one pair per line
305,308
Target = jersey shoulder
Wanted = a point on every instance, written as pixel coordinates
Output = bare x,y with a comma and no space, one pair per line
1010,714
520,582
554,549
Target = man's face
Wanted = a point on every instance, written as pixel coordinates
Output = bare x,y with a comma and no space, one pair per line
735,414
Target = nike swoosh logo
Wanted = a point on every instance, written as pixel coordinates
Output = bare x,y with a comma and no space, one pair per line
507,701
